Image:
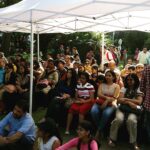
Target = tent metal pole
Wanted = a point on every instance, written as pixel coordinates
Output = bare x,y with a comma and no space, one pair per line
103,44
31,67
38,47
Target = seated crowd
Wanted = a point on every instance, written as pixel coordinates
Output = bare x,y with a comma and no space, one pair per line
68,89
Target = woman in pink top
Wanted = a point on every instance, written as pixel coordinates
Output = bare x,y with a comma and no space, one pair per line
84,141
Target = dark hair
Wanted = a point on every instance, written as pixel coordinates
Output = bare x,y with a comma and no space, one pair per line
131,67
135,78
95,67
23,105
86,125
26,71
113,74
85,74
74,76
10,65
101,78
49,126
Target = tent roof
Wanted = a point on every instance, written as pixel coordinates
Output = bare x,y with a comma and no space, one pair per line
51,16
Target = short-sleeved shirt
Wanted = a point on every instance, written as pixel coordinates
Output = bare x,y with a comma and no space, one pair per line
24,125
84,91
143,57
48,145
138,92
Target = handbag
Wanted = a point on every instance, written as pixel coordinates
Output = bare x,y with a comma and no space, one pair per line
100,101
43,86
46,89
42,83
127,109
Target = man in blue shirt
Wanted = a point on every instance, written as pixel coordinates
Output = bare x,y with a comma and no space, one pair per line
17,129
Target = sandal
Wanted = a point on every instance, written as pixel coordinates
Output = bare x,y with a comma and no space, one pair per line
135,146
67,132
111,143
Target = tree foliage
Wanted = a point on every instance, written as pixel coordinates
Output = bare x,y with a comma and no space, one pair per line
84,41
6,38
5,3
132,39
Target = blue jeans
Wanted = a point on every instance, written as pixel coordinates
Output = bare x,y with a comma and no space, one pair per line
101,116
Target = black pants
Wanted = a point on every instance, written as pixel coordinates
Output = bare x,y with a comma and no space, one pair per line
22,144
57,111
147,123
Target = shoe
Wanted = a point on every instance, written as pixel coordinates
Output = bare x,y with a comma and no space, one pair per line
42,120
135,146
67,132
111,143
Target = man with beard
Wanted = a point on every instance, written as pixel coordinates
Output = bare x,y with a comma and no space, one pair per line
17,129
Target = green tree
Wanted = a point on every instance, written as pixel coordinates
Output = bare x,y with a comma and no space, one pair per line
131,39
147,42
84,41
6,37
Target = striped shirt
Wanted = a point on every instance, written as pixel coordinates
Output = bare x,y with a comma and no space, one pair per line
145,87
84,91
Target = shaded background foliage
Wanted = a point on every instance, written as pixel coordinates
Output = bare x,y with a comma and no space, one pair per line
84,41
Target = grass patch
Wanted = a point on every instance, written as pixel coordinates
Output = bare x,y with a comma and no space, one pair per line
39,114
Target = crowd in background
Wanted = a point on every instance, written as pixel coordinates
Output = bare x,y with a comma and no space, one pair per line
67,88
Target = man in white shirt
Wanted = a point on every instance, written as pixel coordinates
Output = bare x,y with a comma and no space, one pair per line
143,57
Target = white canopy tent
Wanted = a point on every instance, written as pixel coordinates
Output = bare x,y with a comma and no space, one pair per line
49,16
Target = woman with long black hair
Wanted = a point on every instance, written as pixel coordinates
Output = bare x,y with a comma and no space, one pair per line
65,91
105,105
130,100
48,136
